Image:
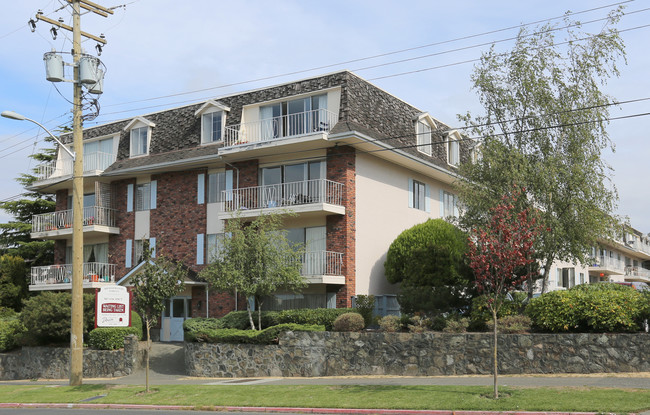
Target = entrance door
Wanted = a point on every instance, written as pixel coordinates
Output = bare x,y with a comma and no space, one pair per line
176,312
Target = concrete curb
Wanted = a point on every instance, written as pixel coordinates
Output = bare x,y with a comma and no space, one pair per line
285,410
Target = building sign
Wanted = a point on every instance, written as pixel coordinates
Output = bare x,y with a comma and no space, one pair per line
113,307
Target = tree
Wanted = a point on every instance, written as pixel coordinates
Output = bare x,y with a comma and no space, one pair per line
544,128
498,252
255,260
429,260
160,279
13,284
15,235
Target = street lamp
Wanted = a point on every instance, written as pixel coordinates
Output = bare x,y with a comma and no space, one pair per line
76,324
15,116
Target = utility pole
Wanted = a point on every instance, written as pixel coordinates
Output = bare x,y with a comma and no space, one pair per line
76,329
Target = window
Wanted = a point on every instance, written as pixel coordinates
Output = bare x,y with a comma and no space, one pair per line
418,195
292,184
217,183
212,127
448,204
214,245
298,116
453,149
139,141
143,196
568,277
423,131
91,253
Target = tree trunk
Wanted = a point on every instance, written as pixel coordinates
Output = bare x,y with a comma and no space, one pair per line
259,315
547,271
494,357
146,372
250,315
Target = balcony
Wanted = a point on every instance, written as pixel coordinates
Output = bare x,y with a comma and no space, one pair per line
59,277
323,267
58,225
316,122
608,266
58,170
637,274
304,197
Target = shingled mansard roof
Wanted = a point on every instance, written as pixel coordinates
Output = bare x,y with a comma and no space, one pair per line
364,109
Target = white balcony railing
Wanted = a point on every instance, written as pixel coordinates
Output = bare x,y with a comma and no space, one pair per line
283,195
62,219
97,161
322,263
62,274
637,272
608,263
307,122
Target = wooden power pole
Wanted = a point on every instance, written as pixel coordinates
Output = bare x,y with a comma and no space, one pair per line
76,329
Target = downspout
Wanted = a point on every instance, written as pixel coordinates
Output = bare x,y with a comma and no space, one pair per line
207,303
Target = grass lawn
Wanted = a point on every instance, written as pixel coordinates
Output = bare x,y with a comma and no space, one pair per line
345,396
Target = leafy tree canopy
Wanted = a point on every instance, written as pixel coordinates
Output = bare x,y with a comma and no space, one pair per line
544,128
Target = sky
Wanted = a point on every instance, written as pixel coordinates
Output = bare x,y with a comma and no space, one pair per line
166,53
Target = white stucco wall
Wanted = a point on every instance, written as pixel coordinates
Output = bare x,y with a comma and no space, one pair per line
382,213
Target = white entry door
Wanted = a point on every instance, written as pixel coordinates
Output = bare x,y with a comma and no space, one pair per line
176,312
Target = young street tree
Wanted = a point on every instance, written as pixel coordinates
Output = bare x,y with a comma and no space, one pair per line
544,128
255,260
160,279
498,252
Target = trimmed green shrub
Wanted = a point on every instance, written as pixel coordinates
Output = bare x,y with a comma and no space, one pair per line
456,325
46,318
390,324
227,335
319,316
589,307
419,324
136,323
110,338
11,330
438,323
349,322
365,305
511,324
239,319
192,326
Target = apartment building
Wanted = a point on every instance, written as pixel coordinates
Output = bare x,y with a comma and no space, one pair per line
354,163
623,259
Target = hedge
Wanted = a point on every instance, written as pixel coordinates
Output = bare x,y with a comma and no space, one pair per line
590,308
310,316
111,338
11,330
227,335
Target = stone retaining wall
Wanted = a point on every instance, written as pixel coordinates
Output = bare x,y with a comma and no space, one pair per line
54,362
426,354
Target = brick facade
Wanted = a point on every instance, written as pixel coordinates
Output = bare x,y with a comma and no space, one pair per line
341,229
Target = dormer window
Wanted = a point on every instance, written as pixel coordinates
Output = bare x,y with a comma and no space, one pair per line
140,131
423,126
213,121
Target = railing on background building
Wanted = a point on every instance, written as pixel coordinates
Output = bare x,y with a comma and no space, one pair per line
307,122
62,219
283,195
62,274
97,161
610,264
633,271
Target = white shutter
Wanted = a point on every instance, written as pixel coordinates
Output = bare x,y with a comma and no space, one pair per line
129,253
129,198
410,193
199,248
152,246
427,199
200,189
442,203
153,190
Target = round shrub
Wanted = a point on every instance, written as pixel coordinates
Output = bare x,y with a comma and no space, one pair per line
456,325
390,324
365,305
46,318
591,308
349,322
110,338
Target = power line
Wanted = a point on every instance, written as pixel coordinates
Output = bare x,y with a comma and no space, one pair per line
266,78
